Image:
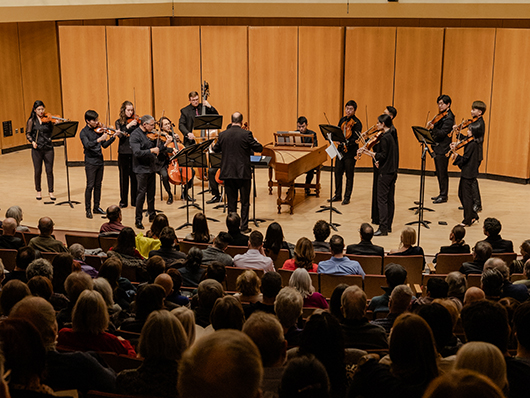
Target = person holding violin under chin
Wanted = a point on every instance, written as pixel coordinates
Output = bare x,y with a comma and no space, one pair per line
441,126
38,133
94,137
127,123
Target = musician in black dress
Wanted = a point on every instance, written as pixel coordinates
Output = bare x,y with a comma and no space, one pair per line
441,130
39,133
126,124
301,125
352,127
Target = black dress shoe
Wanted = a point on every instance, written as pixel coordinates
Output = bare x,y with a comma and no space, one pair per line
139,225
123,205
380,233
440,199
335,198
434,198
98,210
169,199
346,201
189,198
89,214
215,199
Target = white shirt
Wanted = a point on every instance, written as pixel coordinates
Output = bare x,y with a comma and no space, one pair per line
253,259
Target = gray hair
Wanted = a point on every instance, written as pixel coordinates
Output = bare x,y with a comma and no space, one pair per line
288,306
39,266
301,281
78,251
102,286
15,212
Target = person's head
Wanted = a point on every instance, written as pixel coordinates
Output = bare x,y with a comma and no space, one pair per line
335,301
463,383
148,299
227,313
453,306
437,288
208,291
111,271
366,231
41,314
40,266
248,283
162,337
167,237
200,228
408,237
126,242
521,322
76,283
9,225
255,240
457,284
412,349
486,321
159,222
77,251
483,358
273,237
444,102
491,282
15,212
395,275
301,281
176,279
46,226
233,223
384,121
306,377
498,263
391,111
525,249
478,108
239,376
166,282
271,284
102,286
266,332
482,251
492,227
350,108
440,322
40,286
38,109
63,265
353,303
304,254
336,245
457,233
473,294
222,240
155,266
91,118
237,118
288,306
301,124
25,255
193,97
90,313
12,292
126,111
400,299
187,319
194,259
147,123
114,213
321,230
215,270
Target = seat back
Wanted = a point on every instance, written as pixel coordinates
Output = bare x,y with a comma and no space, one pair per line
473,280
233,250
94,261
49,256
426,278
448,262
373,284
283,256
106,242
508,258
372,265
87,241
328,283
8,257
233,272
186,245
517,277
321,256
413,265
20,235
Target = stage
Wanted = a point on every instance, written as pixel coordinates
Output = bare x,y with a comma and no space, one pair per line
506,201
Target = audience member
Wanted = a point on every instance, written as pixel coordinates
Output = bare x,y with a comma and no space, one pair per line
518,292
102,286
274,241
114,224
78,253
439,320
492,229
187,319
395,275
208,292
526,281
154,266
162,343
125,250
15,212
521,324
399,302
454,307
304,255
304,377
463,384
271,284
40,266
12,292
457,283
481,252
436,288
248,287
148,299
151,240
200,232
215,271
8,240
166,282
2,277
227,313
233,224
176,296
63,265
406,244
255,257
45,242
365,247
216,252
40,286
473,294
167,250
358,332
301,281
200,373
288,307
321,232
517,266
338,264
25,256
123,289
192,271
335,301
491,283
75,284
458,245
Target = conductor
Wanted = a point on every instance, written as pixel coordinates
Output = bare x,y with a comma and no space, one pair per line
237,145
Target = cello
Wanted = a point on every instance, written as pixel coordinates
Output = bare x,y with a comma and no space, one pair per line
177,175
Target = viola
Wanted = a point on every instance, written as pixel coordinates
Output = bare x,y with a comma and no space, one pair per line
347,126
464,125
367,134
133,118
370,143
439,116
460,144
48,117
157,135
102,129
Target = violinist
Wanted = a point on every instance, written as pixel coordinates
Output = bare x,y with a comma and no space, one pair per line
38,133
127,123
188,113
385,156
92,144
441,127
301,125
352,127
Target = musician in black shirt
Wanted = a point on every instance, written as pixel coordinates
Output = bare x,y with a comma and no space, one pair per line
478,129
188,113
127,123
441,134
92,144
301,124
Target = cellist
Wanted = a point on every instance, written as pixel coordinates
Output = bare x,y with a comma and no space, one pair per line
351,127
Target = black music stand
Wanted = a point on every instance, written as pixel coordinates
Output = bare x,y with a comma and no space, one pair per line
424,137
63,131
198,157
331,133
257,161
215,163
207,122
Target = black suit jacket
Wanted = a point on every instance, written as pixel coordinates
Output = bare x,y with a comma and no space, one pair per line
10,242
187,115
500,245
455,248
236,145
143,159
440,133
365,248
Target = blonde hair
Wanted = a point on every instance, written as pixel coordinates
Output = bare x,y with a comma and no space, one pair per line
187,319
301,281
90,313
408,237
163,337
304,254
248,283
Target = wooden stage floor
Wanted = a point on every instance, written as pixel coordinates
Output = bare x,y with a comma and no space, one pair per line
506,201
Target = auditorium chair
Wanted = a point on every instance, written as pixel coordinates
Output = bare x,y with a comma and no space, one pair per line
329,282
8,257
448,262
87,241
413,264
233,272
372,265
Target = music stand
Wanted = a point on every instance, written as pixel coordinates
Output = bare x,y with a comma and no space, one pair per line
198,157
63,131
424,137
207,122
331,133
257,161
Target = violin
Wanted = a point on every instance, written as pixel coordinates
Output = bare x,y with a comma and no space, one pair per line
157,135
48,117
370,143
439,117
464,125
368,133
460,144
133,118
102,129
346,127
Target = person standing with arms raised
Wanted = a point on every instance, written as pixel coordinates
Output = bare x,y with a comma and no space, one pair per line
237,145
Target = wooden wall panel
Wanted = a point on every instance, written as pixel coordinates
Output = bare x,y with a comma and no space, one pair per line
369,74
129,74
417,85
11,95
468,74
83,77
273,71
40,66
509,142
224,52
320,60
176,68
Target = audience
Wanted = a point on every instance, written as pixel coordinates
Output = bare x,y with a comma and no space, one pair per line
406,244
521,324
154,266
149,298
192,271
518,292
8,240
255,257
436,288
167,250
395,275
304,255
399,302
457,283
338,264
271,284
122,288
12,292
216,252
335,301
216,271
517,266
125,250
102,286
274,241
74,285
233,224
321,232
78,253
25,256
200,232
458,245
439,320
45,242
248,287
491,283
525,282
473,294
227,313
301,281
365,247
176,296
481,252
288,308
114,224
151,240
15,212
492,229
208,292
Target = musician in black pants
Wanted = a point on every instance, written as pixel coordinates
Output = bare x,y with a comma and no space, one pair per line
441,130
126,124
478,129
348,150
